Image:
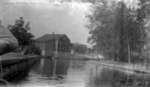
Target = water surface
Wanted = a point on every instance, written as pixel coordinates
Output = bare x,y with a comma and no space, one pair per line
77,73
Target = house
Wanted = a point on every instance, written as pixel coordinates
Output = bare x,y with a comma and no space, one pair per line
53,43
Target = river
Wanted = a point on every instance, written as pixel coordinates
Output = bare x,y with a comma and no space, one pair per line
77,73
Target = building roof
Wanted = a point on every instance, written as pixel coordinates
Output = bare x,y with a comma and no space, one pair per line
47,37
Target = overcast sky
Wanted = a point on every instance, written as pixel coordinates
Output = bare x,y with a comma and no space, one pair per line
47,16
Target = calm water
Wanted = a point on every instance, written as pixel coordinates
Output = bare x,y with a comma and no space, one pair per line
69,73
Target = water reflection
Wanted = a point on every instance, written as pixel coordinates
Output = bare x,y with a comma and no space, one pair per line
115,78
51,68
73,73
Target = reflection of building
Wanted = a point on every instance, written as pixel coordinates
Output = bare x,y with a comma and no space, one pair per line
53,67
52,43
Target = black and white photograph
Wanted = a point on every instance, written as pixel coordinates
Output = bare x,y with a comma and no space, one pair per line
74,43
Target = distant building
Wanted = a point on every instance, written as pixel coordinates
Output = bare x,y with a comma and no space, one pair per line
52,43
79,48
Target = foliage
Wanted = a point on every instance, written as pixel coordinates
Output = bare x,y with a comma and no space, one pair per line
103,36
32,49
25,38
79,48
21,31
132,35
117,30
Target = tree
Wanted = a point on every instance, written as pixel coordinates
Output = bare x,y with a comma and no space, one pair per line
103,36
117,31
32,49
132,36
143,18
21,31
25,38
79,48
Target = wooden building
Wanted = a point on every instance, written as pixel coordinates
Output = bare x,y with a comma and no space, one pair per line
53,43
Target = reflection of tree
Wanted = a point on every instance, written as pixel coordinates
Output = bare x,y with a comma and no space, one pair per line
115,78
103,79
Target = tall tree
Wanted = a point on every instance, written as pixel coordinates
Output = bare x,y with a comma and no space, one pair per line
103,36
21,31
131,34
143,18
117,31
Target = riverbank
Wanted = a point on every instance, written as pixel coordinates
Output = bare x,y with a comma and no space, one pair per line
127,67
135,68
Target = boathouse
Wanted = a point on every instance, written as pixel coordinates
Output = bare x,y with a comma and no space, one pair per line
53,43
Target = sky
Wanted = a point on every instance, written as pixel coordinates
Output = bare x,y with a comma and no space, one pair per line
48,16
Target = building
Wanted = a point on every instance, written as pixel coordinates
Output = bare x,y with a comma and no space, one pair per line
53,43
79,48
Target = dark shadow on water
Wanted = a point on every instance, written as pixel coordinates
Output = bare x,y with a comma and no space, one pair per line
16,78
19,76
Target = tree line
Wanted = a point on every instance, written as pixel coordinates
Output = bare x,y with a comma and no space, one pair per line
117,30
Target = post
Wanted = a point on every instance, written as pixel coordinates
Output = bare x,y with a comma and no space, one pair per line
56,47
54,60
1,67
147,55
54,68
129,55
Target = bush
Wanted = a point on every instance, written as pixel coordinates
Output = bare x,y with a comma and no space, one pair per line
32,49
